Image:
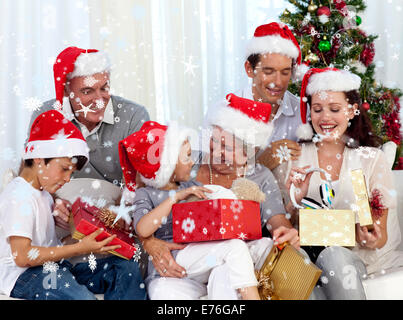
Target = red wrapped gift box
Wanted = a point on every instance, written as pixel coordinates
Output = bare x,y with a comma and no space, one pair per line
84,221
218,219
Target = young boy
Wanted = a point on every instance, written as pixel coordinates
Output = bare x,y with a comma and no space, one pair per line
32,258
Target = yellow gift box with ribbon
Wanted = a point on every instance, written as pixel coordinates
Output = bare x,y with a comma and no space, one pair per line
327,227
287,275
361,197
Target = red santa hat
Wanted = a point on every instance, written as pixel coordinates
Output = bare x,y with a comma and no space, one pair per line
153,152
317,80
246,119
53,136
277,38
76,62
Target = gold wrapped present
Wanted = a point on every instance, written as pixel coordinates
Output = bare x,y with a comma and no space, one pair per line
327,227
361,197
287,275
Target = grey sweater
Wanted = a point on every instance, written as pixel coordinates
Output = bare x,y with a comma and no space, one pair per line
104,154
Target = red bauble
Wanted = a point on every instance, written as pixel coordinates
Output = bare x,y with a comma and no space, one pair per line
341,7
366,106
323,11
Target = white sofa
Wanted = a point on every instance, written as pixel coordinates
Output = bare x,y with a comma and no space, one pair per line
387,285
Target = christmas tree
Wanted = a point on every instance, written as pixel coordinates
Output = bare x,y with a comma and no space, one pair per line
329,35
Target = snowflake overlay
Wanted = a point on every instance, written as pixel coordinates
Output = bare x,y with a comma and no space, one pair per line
92,262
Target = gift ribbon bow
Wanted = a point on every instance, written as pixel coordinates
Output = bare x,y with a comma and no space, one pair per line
265,284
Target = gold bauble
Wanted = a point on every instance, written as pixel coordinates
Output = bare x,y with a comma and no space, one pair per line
313,58
312,7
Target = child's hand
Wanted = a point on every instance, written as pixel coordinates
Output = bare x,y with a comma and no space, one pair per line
61,213
198,191
89,244
283,234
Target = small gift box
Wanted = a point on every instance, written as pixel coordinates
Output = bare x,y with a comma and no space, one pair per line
86,219
327,227
286,275
361,197
216,219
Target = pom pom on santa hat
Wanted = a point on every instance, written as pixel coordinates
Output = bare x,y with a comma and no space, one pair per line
53,136
318,80
248,120
277,38
76,62
152,152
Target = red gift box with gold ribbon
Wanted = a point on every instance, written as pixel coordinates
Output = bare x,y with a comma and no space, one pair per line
84,220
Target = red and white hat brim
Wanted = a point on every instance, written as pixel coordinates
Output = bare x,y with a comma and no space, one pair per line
339,80
174,138
252,132
299,72
272,44
57,148
88,64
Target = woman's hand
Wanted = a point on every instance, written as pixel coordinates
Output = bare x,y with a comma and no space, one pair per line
283,234
367,239
198,191
162,259
301,185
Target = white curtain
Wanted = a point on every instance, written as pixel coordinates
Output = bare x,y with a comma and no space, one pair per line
384,18
175,57
32,33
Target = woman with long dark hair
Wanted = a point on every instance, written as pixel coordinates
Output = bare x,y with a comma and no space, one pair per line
336,138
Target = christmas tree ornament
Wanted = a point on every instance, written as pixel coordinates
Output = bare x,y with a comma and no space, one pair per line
311,58
306,20
366,105
286,12
323,11
312,7
358,20
324,45
323,14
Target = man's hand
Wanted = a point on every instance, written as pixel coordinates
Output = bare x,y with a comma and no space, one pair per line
61,213
162,259
279,151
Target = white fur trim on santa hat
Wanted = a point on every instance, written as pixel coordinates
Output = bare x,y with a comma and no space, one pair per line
88,64
272,44
252,132
56,148
174,137
299,72
304,131
340,80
